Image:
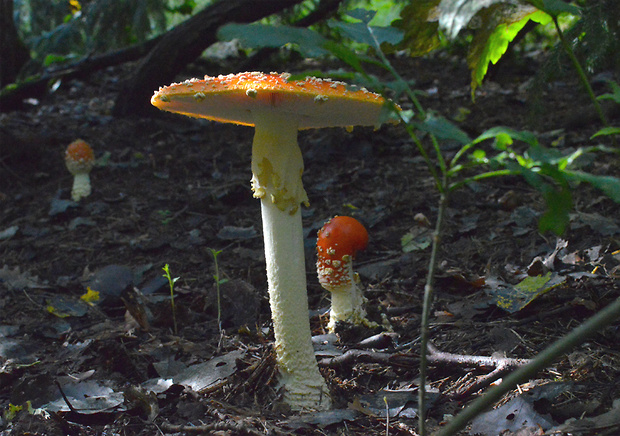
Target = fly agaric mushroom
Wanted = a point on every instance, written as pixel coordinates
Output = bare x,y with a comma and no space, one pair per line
337,242
80,159
277,109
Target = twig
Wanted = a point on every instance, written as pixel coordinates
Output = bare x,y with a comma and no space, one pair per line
435,355
236,427
500,365
366,356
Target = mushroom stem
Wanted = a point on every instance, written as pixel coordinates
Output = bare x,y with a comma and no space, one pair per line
277,182
347,302
81,186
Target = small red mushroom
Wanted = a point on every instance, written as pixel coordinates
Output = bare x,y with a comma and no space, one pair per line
338,242
80,159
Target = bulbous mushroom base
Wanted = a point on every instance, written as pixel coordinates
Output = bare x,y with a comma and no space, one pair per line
302,396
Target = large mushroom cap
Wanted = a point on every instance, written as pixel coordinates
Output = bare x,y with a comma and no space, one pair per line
233,98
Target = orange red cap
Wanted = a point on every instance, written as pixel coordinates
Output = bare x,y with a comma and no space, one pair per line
312,102
79,156
338,241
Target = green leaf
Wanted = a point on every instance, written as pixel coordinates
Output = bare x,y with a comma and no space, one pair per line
372,36
559,204
344,54
443,129
514,298
615,93
607,131
608,184
418,21
558,197
417,239
500,26
309,42
504,136
479,156
364,15
51,59
555,7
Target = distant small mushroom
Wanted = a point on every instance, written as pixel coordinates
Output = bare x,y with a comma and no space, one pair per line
337,243
80,159
278,108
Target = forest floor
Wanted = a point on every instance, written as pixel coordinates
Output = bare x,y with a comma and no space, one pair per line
169,189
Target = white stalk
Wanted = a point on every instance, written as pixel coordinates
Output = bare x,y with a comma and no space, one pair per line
347,302
277,166
81,186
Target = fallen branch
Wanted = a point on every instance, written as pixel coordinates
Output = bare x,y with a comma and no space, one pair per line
236,427
352,357
500,365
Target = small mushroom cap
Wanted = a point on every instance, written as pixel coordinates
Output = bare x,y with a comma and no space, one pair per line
338,241
340,236
312,102
79,157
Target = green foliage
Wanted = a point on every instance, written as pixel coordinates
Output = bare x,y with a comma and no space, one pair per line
308,42
500,26
547,170
554,7
59,30
607,131
171,282
421,30
595,39
614,95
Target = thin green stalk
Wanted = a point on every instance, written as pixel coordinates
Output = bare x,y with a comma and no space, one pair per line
426,308
387,65
440,159
171,282
560,347
218,282
582,75
411,131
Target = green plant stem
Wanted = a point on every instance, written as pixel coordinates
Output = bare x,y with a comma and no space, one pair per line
579,335
216,276
411,132
582,75
426,308
387,65
171,282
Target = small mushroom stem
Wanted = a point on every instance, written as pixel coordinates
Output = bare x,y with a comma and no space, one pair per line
347,302
81,186
277,165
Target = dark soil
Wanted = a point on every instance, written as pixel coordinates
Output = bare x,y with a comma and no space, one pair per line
168,190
